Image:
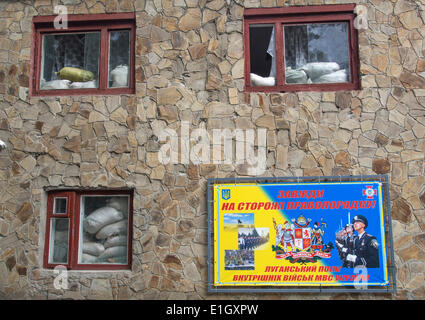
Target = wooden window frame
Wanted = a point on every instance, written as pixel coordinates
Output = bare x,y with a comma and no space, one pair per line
102,23
301,15
73,214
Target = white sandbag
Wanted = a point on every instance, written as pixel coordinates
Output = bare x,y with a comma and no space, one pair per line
88,258
119,203
93,248
317,69
113,252
100,218
116,228
87,84
87,237
338,76
119,240
119,76
295,76
257,80
54,84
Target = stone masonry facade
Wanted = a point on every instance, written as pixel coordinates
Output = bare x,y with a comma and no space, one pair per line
189,67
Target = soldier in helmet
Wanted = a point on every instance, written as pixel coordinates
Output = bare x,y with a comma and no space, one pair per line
366,249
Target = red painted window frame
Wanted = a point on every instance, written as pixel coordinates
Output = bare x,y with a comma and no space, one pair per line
69,215
73,213
82,23
296,15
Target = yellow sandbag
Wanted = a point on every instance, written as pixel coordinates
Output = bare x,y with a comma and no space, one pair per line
75,74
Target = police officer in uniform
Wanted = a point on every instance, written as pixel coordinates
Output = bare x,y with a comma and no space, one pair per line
348,248
366,249
345,245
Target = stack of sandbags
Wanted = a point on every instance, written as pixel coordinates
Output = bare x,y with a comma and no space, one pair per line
324,72
70,78
337,76
91,250
108,227
114,236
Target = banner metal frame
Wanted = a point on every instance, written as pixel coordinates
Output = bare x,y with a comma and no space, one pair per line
390,289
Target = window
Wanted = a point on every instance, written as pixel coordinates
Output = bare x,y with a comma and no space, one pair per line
94,54
310,48
89,229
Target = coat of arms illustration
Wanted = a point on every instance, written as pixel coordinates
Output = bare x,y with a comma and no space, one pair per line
300,242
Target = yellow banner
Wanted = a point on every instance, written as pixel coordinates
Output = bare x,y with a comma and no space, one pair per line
256,241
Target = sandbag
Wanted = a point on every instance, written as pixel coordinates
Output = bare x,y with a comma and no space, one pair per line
338,76
116,228
93,248
119,76
75,74
295,76
88,258
113,252
317,69
54,84
119,240
79,85
87,237
119,203
257,80
100,218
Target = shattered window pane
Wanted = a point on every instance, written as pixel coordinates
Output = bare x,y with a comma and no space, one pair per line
59,239
70,61
262,54
317,53
104,230
119,58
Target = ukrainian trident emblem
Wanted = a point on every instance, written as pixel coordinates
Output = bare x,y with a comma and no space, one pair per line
225,194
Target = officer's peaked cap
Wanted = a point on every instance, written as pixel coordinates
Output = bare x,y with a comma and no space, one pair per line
361,219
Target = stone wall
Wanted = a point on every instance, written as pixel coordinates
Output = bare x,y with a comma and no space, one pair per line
189,67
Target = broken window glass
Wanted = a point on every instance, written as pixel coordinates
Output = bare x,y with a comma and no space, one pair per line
59,239
317,53
262,54
70,61
104,230
119,58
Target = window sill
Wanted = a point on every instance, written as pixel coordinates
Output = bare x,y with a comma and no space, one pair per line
305,88
92,273
82,92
